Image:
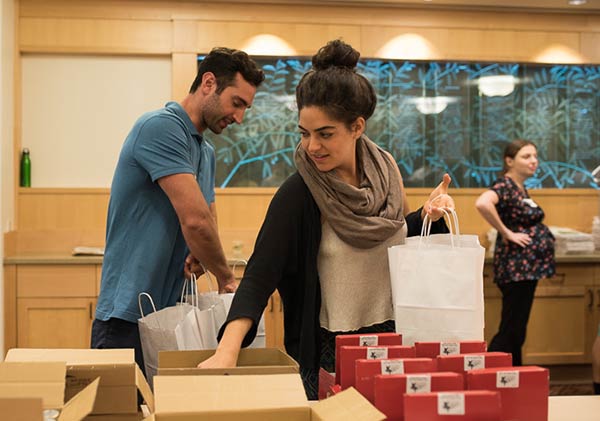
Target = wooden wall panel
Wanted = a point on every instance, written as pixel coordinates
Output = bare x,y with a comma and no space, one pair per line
89,36
304,38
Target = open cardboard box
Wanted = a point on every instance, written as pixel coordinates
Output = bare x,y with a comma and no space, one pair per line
250,361
27,388
120,377
252,397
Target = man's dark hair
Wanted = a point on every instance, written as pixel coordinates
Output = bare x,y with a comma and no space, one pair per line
225,63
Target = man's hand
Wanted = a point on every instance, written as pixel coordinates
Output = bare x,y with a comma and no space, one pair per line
192,265
439,200
227,285
221,359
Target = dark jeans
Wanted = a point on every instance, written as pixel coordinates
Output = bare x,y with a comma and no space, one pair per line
517,298
117,333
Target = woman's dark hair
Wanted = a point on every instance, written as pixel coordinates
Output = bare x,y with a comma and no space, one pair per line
333,85
225,63
512,149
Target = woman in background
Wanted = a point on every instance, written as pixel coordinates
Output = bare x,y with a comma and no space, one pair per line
524,251
323,244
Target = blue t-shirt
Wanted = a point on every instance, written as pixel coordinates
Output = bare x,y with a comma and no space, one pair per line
145,249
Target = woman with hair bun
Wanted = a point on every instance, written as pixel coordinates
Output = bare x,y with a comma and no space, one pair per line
323,243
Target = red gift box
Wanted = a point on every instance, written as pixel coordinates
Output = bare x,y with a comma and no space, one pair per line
326,380
469,405
366,370
372,339
433,349
523,390
390,389
462,363
349,354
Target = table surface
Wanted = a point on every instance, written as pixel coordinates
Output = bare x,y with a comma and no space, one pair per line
574,408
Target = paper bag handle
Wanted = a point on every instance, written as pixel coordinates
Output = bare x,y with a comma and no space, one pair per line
145,294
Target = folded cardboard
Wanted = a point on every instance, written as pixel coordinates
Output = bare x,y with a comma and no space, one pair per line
366,370
266,397
433,349
115,417
523,390
463,363
27,388
344,406
120,377
471,405
349,354
250,361
369,339
390,389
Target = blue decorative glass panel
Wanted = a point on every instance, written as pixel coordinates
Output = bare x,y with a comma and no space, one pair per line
434,117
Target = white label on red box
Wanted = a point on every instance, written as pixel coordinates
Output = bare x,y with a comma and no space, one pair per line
507,379
368,340
377,353
451,404
392,367
474,362
418,383
449,348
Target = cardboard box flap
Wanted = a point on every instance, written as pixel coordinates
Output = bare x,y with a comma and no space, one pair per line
45,380
21,409
249,357
73,357
144,388
81,405
181,394
346,405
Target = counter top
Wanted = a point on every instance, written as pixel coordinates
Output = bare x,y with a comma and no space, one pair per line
568,258
66,259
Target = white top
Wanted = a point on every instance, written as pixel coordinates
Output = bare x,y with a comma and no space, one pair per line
355,283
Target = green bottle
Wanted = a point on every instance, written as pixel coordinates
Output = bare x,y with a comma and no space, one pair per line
25,169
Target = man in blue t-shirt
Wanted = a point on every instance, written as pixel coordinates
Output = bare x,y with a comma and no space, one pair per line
161,216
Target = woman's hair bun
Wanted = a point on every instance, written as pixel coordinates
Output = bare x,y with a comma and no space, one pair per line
335,54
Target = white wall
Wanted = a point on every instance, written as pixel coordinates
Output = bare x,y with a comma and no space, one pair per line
77,111
6,135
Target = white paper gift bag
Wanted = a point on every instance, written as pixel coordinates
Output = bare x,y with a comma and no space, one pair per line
437,286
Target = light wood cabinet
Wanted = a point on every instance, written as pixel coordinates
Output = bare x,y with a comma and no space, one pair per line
55,305
563,315
274,322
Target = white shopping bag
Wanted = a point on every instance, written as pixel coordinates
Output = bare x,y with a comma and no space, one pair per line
186,326
158,331
437,286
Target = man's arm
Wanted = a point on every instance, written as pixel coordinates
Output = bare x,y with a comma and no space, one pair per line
198,226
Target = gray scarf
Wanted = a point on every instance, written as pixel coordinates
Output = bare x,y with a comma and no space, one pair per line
362,217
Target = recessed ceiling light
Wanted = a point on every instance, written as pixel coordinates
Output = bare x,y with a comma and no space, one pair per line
577,2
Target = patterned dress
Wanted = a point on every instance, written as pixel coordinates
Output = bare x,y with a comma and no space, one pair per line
513,263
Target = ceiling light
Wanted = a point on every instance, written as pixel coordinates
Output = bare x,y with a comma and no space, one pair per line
431,104
500,85
577,2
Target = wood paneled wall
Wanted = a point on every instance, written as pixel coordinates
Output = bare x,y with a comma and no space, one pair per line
181,29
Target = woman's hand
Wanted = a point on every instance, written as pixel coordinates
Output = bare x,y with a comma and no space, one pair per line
221,359
518,238
439,200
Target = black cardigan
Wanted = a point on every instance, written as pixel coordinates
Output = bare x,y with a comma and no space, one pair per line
285,258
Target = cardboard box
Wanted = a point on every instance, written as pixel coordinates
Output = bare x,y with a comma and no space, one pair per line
250,361
433,349
266,397
462,363
115,417
349,354
120,377
369,339
26,389
366,370
523,390
470,405
390,389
